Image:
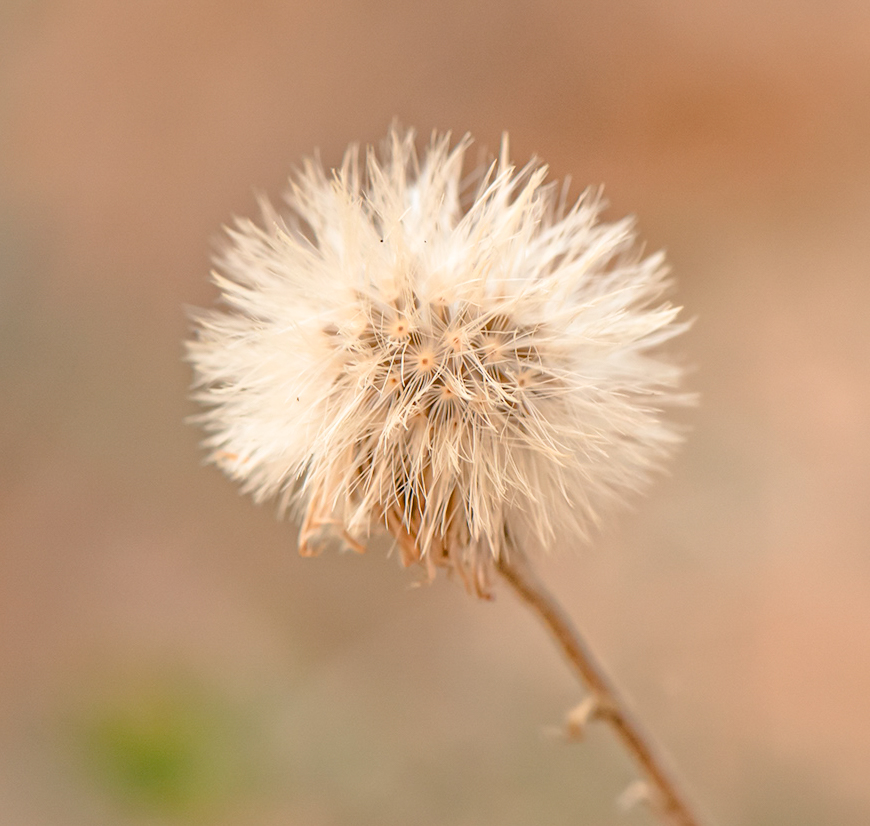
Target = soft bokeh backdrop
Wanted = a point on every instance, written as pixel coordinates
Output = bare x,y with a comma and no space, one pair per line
165,658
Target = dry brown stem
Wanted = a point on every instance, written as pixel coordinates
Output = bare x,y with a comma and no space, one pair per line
607,706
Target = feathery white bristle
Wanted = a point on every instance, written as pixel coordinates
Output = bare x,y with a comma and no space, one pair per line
459,375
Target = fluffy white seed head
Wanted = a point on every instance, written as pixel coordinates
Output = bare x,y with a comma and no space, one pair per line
469,366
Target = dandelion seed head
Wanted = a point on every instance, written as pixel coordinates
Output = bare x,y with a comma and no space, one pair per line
464,361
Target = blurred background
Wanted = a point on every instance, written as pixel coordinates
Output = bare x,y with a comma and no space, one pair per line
166,658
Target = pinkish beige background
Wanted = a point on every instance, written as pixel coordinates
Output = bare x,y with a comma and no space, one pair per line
165,658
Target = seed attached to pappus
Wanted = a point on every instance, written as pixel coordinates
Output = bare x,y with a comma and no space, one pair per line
525,334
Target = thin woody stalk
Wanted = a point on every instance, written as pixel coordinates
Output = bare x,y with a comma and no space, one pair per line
664,796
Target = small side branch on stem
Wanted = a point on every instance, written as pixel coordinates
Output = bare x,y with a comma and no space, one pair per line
604,699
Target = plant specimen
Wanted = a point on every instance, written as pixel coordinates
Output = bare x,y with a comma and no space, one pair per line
465,361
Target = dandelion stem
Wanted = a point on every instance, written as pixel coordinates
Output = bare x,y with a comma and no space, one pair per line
608,707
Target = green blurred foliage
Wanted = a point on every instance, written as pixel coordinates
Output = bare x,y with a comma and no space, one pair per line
169,749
